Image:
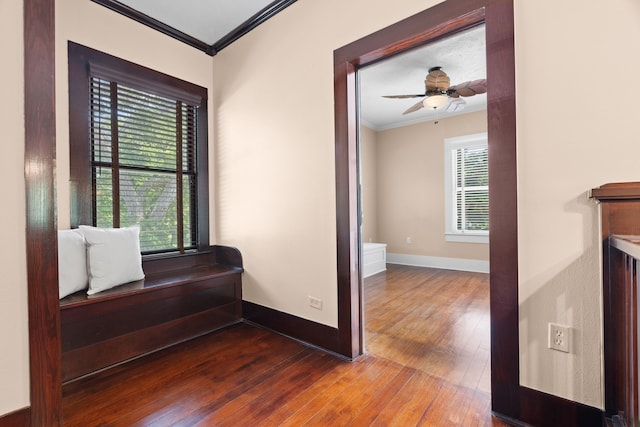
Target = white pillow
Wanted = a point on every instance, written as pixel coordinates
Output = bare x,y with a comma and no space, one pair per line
113,256
72,262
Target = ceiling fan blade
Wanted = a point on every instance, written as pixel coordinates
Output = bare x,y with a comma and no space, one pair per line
470,88
437,80
403,96
413,108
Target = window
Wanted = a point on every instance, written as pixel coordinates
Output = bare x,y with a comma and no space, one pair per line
138,151
143,164
467,189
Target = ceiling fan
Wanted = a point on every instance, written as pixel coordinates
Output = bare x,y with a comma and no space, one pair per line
439,92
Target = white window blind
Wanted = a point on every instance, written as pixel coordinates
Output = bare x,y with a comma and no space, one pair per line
467,188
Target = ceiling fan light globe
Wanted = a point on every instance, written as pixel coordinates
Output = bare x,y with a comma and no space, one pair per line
434,102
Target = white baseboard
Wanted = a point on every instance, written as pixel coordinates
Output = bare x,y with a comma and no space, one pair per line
473,265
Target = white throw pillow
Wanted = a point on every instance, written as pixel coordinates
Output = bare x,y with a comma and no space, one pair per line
113,256
72,263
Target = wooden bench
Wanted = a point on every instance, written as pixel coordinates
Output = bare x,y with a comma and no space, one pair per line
180,298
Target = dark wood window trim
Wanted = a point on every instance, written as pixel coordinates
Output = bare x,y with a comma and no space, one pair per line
85,62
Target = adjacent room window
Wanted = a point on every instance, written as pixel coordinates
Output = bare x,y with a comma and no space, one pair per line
140,158
467,189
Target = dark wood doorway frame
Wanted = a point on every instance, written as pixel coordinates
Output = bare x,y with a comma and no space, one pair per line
41,225
435,23
509,399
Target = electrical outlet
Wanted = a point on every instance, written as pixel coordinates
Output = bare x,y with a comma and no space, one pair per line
559,337
408,240
315,302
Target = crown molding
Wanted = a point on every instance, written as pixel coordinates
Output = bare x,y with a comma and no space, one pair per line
144,19
263,15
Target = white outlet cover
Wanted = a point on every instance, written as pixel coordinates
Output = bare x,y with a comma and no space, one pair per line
559,337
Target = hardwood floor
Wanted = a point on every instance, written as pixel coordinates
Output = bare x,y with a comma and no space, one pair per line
435,373
436,321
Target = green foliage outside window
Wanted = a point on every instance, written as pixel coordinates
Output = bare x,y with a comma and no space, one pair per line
145,147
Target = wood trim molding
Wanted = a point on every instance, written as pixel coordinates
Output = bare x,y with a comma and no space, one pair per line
268,12
545,410
316,334
41,237
462,264
509,399
18,418
263,15
140,17
503,194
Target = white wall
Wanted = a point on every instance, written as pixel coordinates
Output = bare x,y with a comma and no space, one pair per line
275,149
411,182
14,356
568,142
369,183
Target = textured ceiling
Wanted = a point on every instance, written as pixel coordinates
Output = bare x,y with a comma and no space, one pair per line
461,56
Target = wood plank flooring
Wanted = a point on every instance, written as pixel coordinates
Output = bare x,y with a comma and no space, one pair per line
427,365
436,321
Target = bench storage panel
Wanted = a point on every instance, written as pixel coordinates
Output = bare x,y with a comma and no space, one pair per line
180,298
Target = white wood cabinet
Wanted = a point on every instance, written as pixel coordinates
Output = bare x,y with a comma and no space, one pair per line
374,258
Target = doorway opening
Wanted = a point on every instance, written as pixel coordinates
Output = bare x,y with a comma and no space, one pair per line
442,20
424,208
